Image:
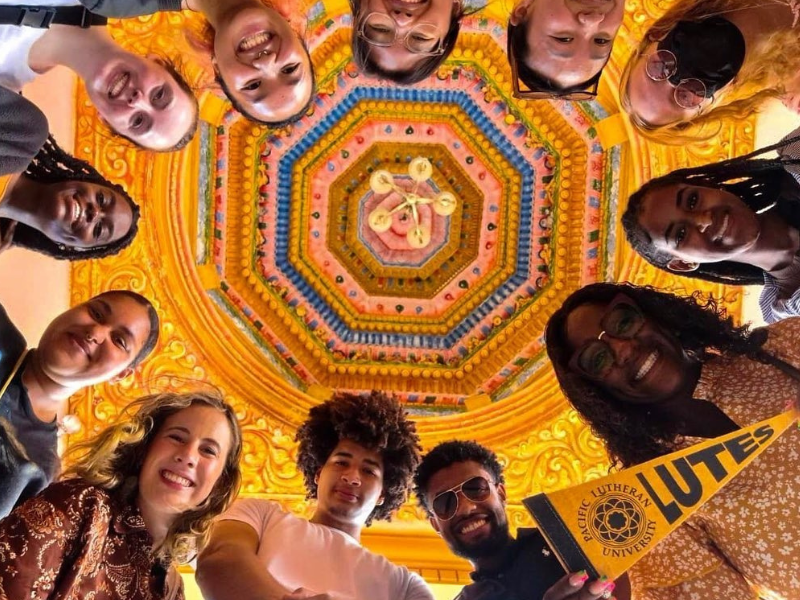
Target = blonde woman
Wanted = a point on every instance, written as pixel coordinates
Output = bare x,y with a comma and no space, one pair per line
709,60
140,497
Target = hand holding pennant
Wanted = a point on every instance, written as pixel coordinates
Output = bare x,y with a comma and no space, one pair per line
606,525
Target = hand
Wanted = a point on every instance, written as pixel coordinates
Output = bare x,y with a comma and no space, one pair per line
7,237
575,587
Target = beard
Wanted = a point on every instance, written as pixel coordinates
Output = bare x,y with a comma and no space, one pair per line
491,545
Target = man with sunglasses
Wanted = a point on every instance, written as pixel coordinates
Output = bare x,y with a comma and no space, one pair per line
460,486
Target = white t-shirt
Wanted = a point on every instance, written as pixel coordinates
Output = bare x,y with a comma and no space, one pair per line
297,553
15,45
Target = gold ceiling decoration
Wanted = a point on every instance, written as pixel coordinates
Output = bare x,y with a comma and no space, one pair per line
272,287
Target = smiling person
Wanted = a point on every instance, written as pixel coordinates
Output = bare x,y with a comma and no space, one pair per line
140,497
142,99
259,58
561,46
101,340
735,222
62,207
460,486
709,60
357,455
404,41
652,372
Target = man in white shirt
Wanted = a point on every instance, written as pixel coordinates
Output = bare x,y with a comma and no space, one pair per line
357,455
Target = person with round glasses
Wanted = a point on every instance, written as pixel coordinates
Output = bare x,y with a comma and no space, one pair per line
401,40
707,60
460,486
653,373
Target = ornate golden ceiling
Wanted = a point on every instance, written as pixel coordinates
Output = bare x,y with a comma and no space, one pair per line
270,285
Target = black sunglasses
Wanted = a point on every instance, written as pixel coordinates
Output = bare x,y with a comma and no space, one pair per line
475,489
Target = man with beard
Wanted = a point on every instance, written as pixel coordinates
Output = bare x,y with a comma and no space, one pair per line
460,486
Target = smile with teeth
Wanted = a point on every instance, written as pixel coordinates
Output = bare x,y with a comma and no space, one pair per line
118,84
174,478
254,41
647,365
77,211
470,527
721,230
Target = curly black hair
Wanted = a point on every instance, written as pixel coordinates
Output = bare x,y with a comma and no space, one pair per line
701,326
762,184
422,69
54,165
449,453
375,421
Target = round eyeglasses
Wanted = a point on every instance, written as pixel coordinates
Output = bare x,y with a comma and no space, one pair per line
663,64
380,29
475,489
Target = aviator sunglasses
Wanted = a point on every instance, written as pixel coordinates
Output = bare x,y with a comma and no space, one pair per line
475,489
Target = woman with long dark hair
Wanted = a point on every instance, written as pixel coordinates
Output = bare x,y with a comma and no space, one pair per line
735,222
62,207
651,372
140,497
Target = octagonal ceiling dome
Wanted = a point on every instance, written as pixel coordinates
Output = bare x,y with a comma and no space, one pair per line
340,305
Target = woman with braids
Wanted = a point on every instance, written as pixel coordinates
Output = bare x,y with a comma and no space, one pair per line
256,48
734,222
143,99
708,60
140,497
357,455
62,207
651,372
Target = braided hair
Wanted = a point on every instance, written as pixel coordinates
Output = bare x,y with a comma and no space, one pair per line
54,165
762,184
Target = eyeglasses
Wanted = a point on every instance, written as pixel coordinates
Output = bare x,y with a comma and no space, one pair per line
663,64
380,29
445,505
622,321
523,91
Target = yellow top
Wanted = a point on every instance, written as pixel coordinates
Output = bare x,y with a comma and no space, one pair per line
5,180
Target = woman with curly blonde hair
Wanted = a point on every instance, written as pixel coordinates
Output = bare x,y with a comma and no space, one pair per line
140,496
709,60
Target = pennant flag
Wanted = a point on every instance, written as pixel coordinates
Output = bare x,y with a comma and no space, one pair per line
606,525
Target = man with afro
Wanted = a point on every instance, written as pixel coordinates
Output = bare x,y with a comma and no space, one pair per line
460,486
357,455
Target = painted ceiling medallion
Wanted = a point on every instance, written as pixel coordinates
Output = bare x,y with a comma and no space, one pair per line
256,248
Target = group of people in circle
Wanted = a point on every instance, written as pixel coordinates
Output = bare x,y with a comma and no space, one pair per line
651,372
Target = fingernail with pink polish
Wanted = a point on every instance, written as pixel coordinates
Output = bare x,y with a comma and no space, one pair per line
578,578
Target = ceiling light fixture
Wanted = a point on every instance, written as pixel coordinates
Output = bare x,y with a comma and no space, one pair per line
382,182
